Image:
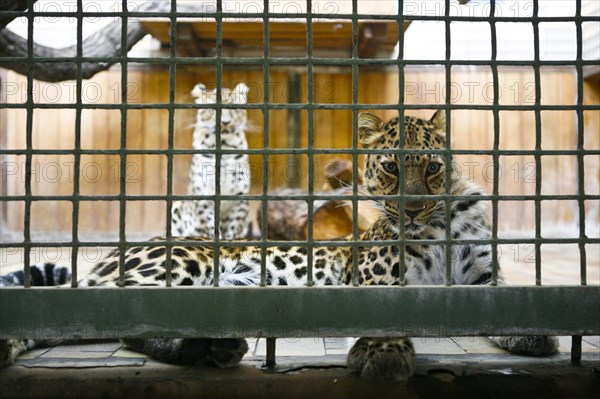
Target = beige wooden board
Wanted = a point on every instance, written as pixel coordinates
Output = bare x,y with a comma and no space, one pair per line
198,36
148,129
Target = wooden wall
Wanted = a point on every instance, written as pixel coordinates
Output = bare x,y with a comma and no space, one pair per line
591,125
147,129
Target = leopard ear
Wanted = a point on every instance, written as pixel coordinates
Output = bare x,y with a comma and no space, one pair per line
438,120
198,90
241,93
369,129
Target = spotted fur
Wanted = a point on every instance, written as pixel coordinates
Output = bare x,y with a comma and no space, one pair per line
424,174
42,274
197,217
423,219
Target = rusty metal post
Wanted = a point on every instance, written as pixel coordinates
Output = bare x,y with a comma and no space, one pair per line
270,352
576,349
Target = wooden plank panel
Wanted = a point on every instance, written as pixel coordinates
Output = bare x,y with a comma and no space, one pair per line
279,173
135,182
16,122
591,126
155,134
327,35
109,121
148,129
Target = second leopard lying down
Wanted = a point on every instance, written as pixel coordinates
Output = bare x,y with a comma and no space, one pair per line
381,358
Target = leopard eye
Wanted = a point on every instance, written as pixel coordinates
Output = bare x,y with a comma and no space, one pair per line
390,167
433,168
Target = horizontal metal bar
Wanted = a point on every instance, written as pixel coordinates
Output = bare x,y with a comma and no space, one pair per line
323,243
275,151
306,106
306,197
303,61
290,312
241,16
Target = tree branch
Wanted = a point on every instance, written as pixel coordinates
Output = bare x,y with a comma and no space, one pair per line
104,43
11,5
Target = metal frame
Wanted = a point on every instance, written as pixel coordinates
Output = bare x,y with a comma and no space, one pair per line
441,311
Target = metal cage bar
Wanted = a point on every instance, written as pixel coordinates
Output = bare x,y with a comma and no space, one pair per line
302,15
355,140
77,154
278,312
264,153
275,106
448,145
311,139
580,145
476,305
170,144
538,143
496,157
123,146
218,150
28,155
402,136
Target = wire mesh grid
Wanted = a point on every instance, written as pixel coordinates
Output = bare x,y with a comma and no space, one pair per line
310,61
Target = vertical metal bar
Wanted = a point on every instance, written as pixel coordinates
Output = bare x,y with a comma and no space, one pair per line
495,157
170,141
123,147
401,158
576,349
28,154
265,155
538,144
355,72
448,154
77,149
580,146
310,146
271,352
219,103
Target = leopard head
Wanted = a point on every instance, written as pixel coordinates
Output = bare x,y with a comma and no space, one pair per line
232,120
423,173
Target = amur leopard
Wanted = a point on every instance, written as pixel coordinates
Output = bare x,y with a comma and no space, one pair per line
197,217
391,358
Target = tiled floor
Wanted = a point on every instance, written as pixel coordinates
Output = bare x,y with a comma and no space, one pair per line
113,354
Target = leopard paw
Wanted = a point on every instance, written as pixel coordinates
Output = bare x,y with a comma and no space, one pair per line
192,351
11,348
532,345
220,352
383,358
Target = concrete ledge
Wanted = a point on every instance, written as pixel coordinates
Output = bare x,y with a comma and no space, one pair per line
437,376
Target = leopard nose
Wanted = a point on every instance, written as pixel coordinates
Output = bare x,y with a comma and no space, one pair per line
412,213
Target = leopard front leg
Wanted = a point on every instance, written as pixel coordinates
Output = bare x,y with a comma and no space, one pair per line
234,222
204,219
177,221
387,358
193,219
226,352
11,348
